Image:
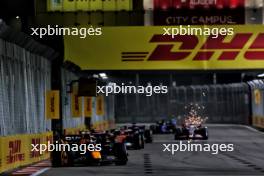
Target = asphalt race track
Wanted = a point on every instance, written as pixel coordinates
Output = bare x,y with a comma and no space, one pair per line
247,159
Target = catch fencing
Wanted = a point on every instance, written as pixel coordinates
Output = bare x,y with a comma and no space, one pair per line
228,103
24,78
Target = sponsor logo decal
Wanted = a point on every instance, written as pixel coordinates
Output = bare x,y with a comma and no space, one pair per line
182,47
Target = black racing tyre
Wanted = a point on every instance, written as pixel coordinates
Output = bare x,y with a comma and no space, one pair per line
137,142
205,133
178,133
148,136
66,159
153,129
56,159
142,141
120,154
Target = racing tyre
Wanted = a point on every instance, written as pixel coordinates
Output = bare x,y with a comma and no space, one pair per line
177,134
204,133
120,154
56,159
148,136
142,141
66,159
137,142
153,129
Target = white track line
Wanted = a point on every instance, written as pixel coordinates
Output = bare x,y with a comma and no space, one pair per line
40,172
235,125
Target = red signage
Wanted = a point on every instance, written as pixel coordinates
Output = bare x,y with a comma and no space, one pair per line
15,152
199,12
192,4
35,153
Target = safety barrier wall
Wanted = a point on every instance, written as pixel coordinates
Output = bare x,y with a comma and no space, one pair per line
15,150
257,102
24,78
102,108
69,122
103,117
227,103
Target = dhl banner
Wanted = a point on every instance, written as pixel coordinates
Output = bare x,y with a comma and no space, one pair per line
15,151
76,105
88,107
146,48
100,105
52,104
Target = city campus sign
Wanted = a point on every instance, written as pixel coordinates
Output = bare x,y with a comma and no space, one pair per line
198,12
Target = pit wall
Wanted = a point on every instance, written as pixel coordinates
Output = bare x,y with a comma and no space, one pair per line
15,150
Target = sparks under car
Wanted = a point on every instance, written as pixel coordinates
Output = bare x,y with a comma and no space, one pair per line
192,128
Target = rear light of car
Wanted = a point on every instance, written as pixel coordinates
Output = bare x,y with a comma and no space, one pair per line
96,155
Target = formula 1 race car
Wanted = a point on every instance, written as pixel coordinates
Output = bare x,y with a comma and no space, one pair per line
143,130
134,139
92,149
112,148
191,132
164,127
136,136
148,135
192,129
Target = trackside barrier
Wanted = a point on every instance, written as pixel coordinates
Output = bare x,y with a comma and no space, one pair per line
103,113
101,108
69,131
69,122
257,102
15,150
104,125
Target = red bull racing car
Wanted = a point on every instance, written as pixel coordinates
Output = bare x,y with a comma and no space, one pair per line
95,148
